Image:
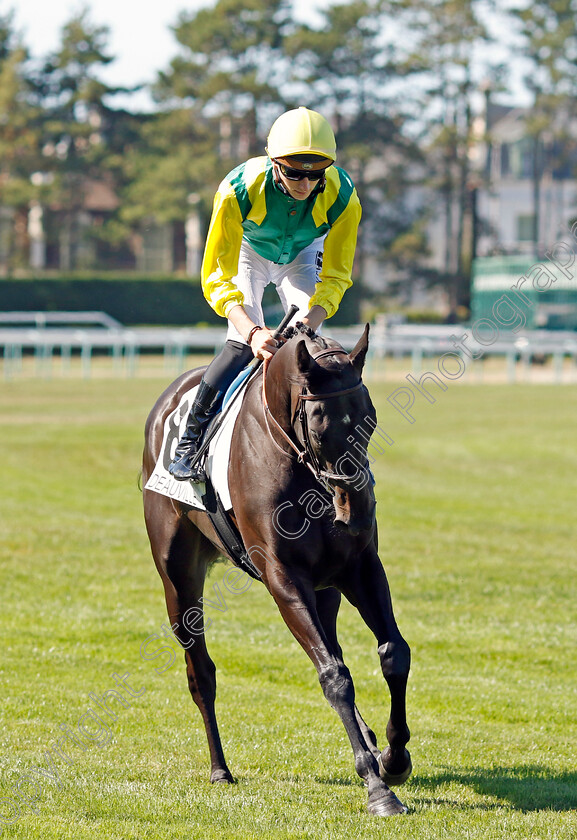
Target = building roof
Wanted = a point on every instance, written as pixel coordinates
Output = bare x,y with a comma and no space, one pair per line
99,196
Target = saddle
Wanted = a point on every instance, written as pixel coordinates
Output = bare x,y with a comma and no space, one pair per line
213,495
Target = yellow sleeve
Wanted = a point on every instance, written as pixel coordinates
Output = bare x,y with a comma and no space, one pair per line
221,252
338,256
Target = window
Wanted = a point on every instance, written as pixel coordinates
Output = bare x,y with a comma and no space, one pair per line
525,227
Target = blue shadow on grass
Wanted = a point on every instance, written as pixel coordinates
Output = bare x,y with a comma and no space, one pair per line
526,788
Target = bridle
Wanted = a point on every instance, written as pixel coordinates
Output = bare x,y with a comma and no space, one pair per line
307,456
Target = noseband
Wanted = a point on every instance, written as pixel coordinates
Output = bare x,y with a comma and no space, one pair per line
307,456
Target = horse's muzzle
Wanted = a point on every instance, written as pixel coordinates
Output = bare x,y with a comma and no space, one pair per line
354,512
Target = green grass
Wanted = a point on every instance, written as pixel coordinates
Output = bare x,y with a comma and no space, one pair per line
477,528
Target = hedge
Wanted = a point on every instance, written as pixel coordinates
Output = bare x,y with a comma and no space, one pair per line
134,301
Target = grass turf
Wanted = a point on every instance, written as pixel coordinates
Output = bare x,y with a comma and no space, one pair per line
476,516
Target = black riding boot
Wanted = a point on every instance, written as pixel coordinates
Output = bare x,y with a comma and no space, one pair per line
205,406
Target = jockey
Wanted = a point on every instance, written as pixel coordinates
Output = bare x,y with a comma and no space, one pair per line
288,218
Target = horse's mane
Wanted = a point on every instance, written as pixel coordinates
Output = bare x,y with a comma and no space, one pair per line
303,329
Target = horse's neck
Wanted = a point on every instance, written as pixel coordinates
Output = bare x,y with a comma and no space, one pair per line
278,392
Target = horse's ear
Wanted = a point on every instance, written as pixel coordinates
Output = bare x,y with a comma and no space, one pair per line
359,352
304,358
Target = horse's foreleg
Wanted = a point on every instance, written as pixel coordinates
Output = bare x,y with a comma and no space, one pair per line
368,590
297,604
182,554
328,603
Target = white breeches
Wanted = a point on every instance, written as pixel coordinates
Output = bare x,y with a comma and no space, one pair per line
295,282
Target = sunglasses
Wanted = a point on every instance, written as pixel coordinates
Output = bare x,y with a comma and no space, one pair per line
300,174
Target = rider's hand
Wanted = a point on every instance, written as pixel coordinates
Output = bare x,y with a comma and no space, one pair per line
262,343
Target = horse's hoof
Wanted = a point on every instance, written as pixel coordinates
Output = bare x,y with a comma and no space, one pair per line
392,779
223,776
386,805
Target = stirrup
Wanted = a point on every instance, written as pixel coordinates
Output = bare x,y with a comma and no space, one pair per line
182,469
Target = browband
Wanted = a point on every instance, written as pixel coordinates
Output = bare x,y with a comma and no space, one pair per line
331,393
329,352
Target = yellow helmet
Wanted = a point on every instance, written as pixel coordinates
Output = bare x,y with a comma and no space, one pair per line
302,132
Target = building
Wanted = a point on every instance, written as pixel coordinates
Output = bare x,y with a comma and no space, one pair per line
528,197
526,212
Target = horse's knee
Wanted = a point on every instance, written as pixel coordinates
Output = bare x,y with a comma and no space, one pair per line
395,658
337,685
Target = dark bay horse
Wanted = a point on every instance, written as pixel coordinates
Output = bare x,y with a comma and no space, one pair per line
303,501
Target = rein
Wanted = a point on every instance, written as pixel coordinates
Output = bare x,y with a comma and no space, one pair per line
307,455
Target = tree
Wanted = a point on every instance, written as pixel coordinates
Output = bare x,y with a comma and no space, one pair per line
351,69
212,100
549,32
77,127
447,35
173,160
231,67
19,146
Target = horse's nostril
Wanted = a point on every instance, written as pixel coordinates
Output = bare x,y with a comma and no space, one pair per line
350,528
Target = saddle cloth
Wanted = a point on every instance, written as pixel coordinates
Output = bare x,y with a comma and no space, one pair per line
216,462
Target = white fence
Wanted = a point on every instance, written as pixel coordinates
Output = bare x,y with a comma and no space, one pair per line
61,335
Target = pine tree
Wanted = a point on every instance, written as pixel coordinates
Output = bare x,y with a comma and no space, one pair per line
77,125
549,31
231,68
214,101
19,146
350,68
447,37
